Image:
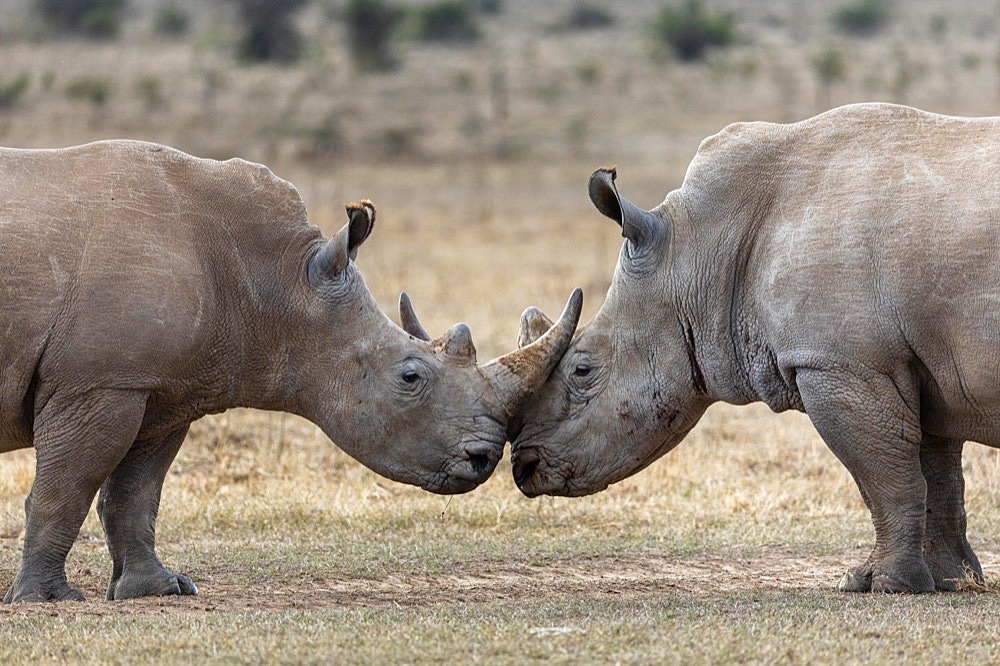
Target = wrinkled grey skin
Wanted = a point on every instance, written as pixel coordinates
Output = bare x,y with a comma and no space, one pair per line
847,266
144,288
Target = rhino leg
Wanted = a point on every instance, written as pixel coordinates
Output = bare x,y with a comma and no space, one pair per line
128,505
78,441
868,425
946,549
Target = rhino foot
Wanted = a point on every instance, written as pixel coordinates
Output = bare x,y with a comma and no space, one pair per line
858,579
35,592
161,583
949,573
890,578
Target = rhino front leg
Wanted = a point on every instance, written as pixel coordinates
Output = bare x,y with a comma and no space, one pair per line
128,505
946,549
78,441
869,427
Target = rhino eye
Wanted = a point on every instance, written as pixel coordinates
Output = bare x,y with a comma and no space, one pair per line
581,370
411,377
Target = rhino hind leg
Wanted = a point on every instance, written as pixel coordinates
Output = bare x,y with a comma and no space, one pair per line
77,444
946,549
128,506
868,426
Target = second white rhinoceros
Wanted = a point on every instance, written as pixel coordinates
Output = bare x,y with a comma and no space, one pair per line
847,266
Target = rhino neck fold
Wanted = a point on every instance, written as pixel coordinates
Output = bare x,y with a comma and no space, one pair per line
260,334
717,317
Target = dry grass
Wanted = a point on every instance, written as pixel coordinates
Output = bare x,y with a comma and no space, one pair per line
728,550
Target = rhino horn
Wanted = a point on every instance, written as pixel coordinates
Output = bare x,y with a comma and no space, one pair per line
519,374
408,319
456,345
534,324
639,226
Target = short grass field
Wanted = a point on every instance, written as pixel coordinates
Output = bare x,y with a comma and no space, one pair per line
728,550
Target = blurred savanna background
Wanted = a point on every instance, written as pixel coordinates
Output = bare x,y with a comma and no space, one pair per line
474,125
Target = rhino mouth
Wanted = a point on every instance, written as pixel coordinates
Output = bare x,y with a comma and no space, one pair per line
534,475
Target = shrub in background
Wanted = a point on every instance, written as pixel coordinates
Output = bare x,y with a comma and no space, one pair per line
150,90
829,67
371,25
486,6
690,30
270,30
98,19
445,21
11,91
863,17
586,16
171,20
90,89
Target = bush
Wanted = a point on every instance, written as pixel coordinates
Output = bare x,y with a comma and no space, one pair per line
370,28
11,91
171,20
99,19
690,30
95,91
829,65
487,6
585,16
863,17
150,91
271,33
325,141
445,21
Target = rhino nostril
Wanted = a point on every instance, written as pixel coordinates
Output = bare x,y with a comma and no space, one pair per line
480,462
524,468
483,457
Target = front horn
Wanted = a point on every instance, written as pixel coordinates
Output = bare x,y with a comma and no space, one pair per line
519,374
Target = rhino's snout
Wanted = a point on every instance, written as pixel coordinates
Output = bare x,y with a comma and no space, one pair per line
472,466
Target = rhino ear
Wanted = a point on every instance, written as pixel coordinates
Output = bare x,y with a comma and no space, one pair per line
534,325
639,226
361,221
338,252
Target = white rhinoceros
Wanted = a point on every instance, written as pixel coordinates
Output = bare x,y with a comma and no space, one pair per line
847,266
143,288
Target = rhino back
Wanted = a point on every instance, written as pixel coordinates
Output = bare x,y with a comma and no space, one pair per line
126,264
866,236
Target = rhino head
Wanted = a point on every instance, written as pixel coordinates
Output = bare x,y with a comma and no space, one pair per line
414,409
628,388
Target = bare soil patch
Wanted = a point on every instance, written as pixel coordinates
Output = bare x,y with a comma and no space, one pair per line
630,577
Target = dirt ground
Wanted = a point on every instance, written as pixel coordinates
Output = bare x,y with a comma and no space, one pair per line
625,578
